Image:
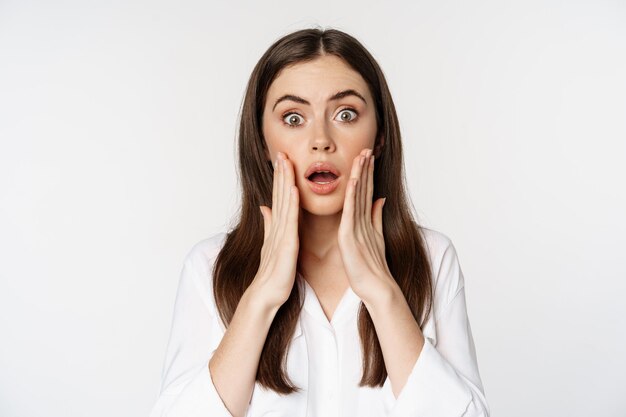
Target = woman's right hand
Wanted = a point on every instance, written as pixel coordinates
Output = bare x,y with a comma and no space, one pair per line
279,254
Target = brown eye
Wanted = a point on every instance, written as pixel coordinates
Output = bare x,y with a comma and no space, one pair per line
291,119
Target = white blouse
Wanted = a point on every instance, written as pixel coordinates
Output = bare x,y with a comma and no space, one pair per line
324,358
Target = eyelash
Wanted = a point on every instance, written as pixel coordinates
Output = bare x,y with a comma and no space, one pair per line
341,111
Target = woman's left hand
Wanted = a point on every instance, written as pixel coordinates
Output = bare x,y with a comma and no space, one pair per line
360,237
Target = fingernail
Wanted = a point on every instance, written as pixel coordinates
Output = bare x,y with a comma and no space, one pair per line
384,201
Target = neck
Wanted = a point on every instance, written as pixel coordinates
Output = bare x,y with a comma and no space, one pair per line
318,235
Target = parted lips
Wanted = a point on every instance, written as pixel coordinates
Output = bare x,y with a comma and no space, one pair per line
321,166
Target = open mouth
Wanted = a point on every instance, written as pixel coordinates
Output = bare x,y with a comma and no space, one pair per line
322,177
323,182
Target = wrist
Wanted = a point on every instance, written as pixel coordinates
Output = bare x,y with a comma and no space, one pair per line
254,297
384,299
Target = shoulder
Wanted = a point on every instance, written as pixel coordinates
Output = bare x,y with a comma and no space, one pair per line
445,267
203,253
198,265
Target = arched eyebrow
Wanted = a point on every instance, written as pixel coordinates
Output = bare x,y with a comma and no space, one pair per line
336,96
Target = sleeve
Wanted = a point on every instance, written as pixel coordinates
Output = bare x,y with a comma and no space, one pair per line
445,381
187,388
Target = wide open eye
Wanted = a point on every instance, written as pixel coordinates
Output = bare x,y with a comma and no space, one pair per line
291,119
347,115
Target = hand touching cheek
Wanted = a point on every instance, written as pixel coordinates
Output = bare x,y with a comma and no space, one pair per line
360,236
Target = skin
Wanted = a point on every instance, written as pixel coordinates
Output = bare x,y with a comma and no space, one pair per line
338,235
342,231
320,134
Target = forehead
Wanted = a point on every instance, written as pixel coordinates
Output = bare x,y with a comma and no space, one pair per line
319,78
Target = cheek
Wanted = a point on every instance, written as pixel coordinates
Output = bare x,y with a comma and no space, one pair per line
277,141
272,139
364,138
371,134
363,133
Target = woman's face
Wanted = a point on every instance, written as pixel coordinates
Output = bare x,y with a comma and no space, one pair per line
303,120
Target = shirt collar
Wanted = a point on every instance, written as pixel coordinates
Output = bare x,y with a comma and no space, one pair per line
345,310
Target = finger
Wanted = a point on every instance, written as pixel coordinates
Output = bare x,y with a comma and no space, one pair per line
354,171
357,185
292,205
281,181
287,198
289,181
360,204
275,185
362,191
346,226
378,215
369,190
294,211
267,220
348,216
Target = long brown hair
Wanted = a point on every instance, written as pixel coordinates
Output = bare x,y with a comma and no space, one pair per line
239,259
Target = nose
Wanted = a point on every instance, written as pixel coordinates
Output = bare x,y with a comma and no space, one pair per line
322,140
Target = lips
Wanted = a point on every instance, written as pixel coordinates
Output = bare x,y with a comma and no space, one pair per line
321,166
322,177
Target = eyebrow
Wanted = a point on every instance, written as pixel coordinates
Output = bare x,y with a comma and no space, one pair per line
337,96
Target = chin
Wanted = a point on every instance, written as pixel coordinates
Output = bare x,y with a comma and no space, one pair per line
323,206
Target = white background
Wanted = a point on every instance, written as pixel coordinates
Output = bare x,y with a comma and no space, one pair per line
117,127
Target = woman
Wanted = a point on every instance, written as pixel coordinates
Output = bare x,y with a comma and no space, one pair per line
326,303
